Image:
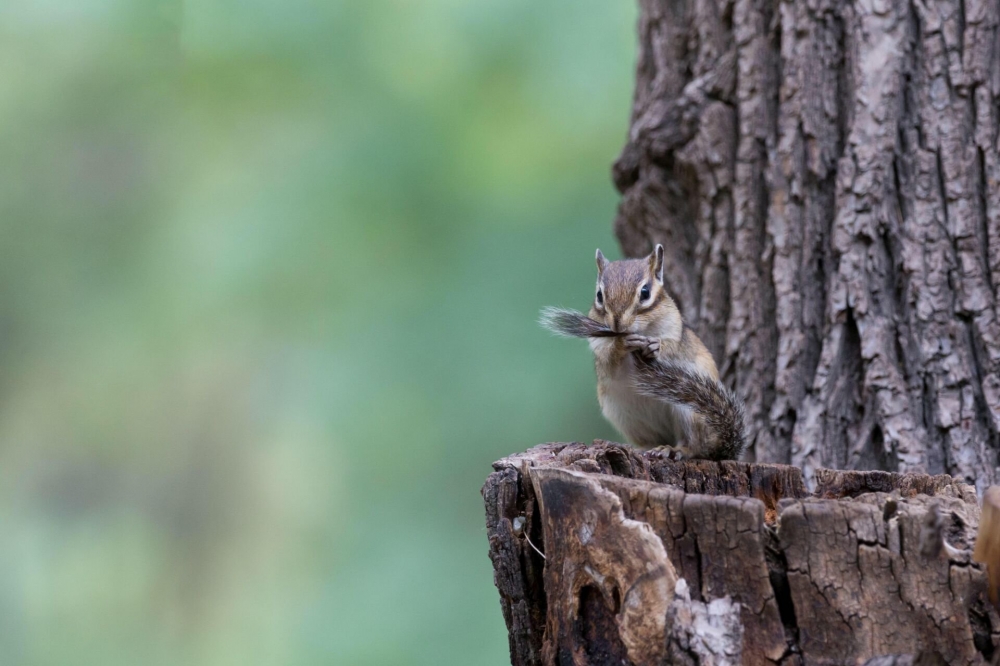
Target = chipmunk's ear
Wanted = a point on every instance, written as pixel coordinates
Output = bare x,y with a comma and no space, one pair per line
656,262
601,262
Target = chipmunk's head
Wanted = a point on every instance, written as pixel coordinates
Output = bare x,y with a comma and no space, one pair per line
631,297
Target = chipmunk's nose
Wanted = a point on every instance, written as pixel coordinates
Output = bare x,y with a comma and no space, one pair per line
615,323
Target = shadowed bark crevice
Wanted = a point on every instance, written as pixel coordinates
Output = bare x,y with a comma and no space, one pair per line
981,632
778,574
601,642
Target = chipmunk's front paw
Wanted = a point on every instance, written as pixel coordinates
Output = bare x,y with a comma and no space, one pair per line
647,347
669,452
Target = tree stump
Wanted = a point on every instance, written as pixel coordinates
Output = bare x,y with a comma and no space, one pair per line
607,555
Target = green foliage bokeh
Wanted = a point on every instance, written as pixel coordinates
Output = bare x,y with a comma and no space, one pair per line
269,279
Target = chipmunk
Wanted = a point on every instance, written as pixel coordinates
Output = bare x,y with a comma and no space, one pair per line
656,381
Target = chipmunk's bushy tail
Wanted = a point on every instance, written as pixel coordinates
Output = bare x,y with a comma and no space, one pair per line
573,324
721,410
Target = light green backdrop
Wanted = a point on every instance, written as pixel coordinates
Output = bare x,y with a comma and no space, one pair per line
269,276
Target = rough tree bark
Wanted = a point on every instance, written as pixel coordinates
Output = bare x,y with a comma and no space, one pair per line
823,174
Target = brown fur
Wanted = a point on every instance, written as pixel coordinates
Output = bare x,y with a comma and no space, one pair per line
717,431
683,406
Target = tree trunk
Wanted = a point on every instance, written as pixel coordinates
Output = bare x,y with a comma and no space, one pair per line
823,176
605,555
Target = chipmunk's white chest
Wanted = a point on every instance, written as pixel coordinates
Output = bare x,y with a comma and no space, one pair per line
645,422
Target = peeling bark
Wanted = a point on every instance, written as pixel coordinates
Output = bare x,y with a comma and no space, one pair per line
653,561
824,177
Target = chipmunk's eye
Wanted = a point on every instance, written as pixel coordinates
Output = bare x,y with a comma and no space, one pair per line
600,297
644,293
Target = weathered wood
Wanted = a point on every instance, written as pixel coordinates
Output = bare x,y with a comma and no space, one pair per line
623,608
654,561
824,178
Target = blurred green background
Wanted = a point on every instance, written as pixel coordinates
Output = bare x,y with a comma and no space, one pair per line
269,277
